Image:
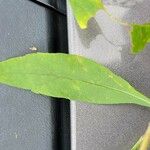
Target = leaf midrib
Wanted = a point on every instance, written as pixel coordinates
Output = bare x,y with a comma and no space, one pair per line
104,86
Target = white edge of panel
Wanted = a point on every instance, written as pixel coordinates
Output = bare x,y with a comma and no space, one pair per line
70,21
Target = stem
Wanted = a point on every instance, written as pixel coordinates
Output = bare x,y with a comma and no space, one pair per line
137,145
146,140
115,19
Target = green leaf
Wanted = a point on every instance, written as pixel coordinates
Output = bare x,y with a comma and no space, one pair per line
140,36
69,76
85,9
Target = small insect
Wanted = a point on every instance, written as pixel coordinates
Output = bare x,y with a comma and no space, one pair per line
33,48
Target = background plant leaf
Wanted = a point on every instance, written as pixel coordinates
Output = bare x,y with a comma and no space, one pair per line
69,76
140,36
84,10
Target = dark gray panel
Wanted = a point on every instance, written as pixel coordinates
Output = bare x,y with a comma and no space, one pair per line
28,121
